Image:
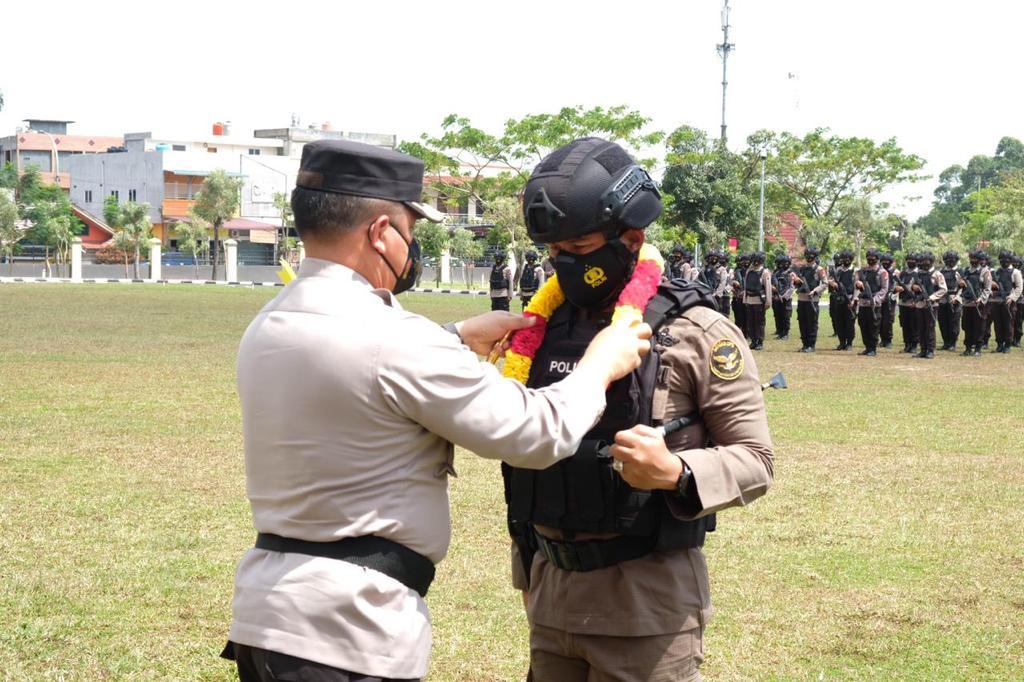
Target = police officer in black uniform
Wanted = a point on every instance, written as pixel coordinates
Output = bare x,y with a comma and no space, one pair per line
843,295
782,295
975,287
674,264
809,280
1018,309
889,304
739,274
501,283
871,285
531,278
907,312
950,308
833,300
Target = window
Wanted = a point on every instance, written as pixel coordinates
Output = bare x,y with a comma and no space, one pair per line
254,152
114,193
131,195
212,150
178,147
88,196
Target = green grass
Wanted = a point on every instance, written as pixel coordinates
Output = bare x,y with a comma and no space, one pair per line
889,548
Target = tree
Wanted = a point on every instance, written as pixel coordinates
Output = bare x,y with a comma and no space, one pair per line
48,210
434,239
285,244
135,225
708,189
998,214
216,202
467,249
9,176
509,231
813,175
10,231
193,238
460,161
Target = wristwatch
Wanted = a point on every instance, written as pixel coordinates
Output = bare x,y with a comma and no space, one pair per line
684,486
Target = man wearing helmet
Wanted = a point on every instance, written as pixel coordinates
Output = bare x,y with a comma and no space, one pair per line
757,298
607,548
1006,290
908,320
929,288
782,298
950,307
1018,309
975,284
841,284
501,283
810,279
889,305
531,279
739,277
872,285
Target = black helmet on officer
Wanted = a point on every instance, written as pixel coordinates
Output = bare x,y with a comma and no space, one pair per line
886,258
872,256
926,257
783,259
531,256
951,258
811,254
1005,258
591,188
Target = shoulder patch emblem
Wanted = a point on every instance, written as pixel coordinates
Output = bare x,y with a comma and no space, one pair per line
726,360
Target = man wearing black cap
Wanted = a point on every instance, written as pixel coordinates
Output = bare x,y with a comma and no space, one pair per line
608,542
501,283
950,307
351,407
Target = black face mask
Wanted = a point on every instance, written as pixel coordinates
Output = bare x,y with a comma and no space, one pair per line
412,267
593,280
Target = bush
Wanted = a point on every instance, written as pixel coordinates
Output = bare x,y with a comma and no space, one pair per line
111,255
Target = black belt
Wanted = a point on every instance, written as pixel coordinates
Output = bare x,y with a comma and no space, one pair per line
590,555
395,560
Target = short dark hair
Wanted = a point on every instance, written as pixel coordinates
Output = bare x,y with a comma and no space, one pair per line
327,215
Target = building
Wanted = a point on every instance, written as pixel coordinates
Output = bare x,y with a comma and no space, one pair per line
45,143
295,137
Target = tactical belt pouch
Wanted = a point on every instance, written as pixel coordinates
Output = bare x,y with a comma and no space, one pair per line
394,560
590,555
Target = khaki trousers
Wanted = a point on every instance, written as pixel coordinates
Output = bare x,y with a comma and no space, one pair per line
558,656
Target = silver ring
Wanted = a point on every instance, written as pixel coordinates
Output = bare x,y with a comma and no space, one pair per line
617,465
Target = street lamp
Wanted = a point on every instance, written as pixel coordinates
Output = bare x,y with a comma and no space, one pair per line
760,229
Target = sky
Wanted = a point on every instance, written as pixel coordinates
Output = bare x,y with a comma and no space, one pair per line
941,77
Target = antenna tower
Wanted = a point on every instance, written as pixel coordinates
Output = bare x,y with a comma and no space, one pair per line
723,50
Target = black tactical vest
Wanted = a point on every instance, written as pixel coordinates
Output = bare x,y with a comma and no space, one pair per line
710,277
870,278
927,284
950,275
906,280
781,281
809,274
498,278
1004,278
972,290
582,493
752,283
892,280
528,280
845,280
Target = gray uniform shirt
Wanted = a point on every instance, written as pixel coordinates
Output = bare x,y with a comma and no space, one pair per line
350,408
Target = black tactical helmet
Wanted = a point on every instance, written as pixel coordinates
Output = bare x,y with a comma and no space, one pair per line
783,258
926,257
950,257
757,257
1005,256
873,253
586,186
499,257
887,257
812,253
983,256
911,257
678,249
531,256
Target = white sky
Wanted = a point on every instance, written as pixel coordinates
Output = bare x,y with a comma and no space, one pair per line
942,77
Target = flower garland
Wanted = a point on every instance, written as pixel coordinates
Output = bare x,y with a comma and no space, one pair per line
629,307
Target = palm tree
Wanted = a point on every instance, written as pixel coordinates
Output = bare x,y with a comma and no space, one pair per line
135,224
216,203
193,238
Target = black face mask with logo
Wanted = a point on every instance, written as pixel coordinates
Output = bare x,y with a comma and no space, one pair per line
593,280
410,269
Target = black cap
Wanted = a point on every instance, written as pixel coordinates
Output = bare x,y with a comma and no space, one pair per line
363,170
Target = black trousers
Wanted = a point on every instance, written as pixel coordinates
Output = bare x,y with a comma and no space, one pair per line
783,311
723,305
1002,320
807,320
753,317
909,325
500,303
1017,321
926,328
833,313
949,322
869,320
885,323
987,333
260,665
973,321
739,314
845,327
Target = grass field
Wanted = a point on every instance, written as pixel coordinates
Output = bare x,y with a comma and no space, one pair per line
891,546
